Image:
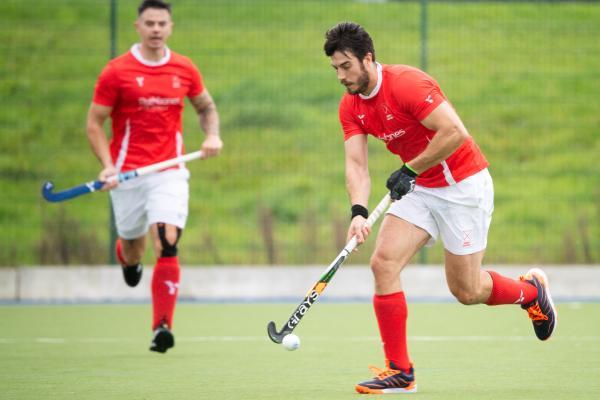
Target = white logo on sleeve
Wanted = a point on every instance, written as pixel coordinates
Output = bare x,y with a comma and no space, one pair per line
429,99
140,81
173,286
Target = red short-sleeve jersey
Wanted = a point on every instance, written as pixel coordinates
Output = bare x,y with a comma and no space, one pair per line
403,97
147,100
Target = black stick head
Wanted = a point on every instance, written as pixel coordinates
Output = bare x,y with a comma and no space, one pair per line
275,336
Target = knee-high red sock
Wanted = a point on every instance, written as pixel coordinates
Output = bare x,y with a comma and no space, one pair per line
165,286
391,312
510,291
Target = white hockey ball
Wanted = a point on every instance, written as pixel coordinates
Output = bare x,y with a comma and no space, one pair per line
290,342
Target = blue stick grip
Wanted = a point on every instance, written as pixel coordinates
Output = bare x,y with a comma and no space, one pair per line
125,176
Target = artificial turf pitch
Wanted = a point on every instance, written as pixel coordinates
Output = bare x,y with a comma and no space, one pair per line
222,352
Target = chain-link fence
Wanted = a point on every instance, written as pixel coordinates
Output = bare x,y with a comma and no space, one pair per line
524,77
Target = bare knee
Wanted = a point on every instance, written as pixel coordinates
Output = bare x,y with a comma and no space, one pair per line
465,279
466,296
386,271
381,266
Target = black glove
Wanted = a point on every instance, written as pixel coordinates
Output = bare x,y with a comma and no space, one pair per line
401,182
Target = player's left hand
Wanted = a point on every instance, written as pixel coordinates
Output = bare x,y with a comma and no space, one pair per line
106,173
401,182
212,146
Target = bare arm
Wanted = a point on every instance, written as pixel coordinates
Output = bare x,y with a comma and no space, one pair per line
358,182
209,122
97,115
451,133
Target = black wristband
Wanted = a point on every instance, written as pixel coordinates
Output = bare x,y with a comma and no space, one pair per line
357,209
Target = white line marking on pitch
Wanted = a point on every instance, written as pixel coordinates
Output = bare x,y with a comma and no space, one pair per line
48,340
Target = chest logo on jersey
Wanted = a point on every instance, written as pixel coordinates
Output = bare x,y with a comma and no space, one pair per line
140,81
152,102
361,117
176,82
388,137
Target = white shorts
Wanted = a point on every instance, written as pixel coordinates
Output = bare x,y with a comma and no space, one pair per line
460,213
148,199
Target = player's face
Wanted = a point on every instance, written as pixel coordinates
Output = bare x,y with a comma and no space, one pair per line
154,27
351,71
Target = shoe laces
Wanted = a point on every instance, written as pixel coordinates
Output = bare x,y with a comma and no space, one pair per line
381,374
524,278
535,313
529,279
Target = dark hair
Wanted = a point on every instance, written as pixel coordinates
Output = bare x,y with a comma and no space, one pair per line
160,4
349,36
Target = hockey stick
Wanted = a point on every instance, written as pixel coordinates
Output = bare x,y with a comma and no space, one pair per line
318,288
93,186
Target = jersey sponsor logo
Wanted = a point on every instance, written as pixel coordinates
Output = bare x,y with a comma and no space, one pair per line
176,82
387,137
159,101
140,81
429,99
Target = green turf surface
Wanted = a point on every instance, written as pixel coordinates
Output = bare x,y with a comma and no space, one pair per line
222,352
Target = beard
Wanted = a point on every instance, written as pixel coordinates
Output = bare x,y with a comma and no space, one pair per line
362,82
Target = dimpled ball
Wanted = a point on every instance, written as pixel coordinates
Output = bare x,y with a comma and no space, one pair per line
290,342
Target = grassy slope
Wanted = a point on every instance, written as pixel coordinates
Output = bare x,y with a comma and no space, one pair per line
222,352
524,90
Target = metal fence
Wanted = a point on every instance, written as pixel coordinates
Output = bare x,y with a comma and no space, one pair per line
522,75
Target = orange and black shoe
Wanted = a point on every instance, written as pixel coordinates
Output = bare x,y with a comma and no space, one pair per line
541,310
389,380
131,273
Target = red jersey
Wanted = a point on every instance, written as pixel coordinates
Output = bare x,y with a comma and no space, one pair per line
147,99
403,97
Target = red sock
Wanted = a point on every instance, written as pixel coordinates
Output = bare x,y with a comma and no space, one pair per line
391,312
510,291
165,285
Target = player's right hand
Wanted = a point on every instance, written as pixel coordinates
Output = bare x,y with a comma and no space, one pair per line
212,146
104,175
358,227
